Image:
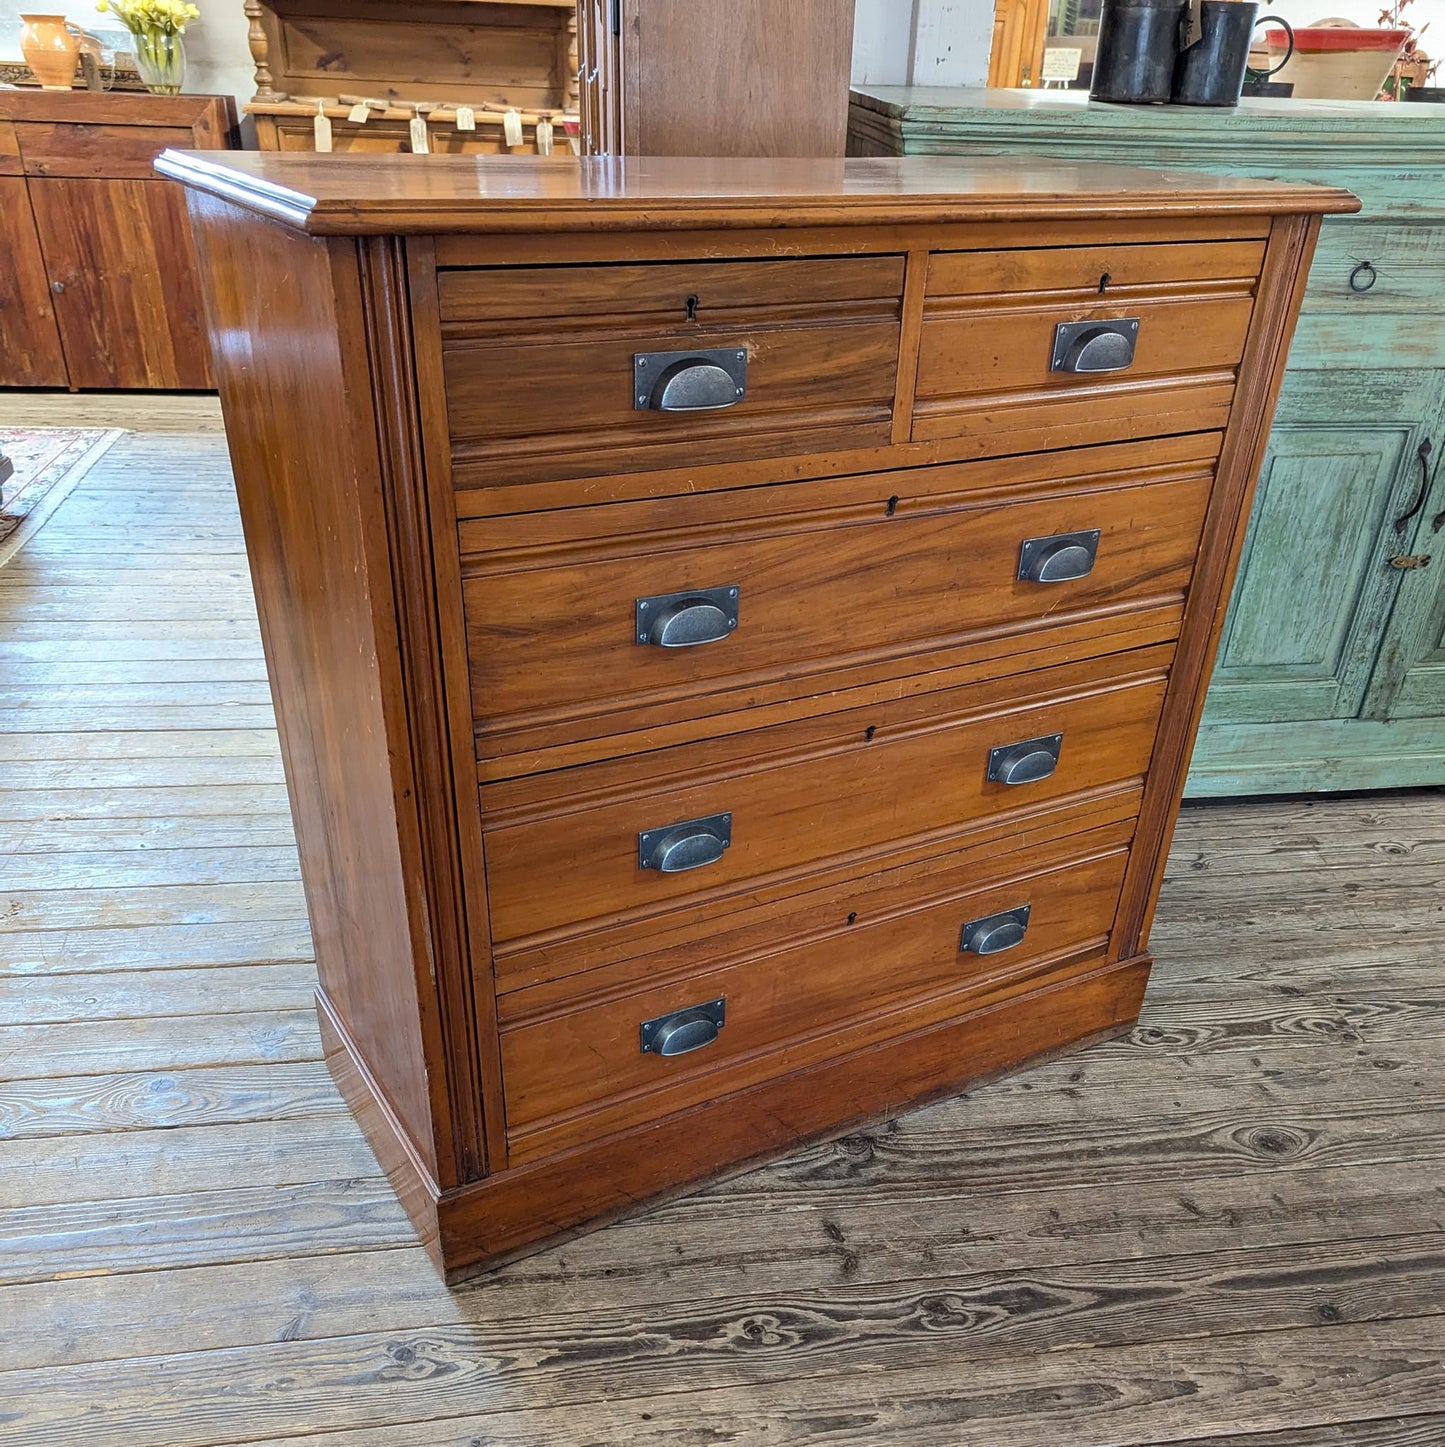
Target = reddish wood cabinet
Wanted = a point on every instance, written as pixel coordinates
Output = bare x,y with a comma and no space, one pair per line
98,283
722,702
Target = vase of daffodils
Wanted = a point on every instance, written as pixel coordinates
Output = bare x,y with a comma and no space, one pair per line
158,25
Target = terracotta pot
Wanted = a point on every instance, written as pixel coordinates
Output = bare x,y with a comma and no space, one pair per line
1338,62
50,45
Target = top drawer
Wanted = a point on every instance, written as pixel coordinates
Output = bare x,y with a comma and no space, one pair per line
992,359
540,363
79,149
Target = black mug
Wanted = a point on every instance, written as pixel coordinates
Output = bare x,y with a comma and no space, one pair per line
1211,72
1137,50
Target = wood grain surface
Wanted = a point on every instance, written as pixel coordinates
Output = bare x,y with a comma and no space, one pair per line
1222,1228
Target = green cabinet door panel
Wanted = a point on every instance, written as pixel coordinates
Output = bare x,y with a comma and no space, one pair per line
1331,667
1315,589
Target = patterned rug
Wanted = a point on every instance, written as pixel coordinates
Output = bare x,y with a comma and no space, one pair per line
49,461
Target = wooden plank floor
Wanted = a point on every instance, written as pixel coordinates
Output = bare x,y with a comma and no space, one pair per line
1224,1229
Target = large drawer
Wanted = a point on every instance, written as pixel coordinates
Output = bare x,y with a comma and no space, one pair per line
565,850
81,149
893,965
990,360
539,362
818,578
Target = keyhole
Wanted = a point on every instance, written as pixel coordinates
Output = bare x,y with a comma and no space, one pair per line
869,732
853,917
892,505
1104,281
692,308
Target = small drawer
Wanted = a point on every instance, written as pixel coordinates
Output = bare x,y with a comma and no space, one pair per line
882,967
586,626
563,854
1167,324
78,149
546,368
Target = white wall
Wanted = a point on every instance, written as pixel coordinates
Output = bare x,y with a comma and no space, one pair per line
923,42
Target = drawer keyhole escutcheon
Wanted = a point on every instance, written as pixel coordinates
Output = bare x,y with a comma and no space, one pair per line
687,619
1025,762
688,844
995,933
1058,559
684,1030
705,380
1094,346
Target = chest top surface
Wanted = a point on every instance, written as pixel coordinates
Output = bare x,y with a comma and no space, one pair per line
341,195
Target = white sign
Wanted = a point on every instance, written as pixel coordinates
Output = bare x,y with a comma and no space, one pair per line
1061,63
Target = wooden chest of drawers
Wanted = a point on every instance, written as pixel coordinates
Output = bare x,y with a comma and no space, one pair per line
736,628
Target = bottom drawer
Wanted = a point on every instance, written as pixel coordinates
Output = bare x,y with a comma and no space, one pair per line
572,1075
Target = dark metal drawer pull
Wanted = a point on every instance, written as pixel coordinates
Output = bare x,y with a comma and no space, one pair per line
684,1030
1059,558
1025,762
700,381
1363,277
683,620
1094,346
688,845
995,933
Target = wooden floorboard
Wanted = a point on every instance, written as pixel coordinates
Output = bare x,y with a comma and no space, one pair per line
1227,1228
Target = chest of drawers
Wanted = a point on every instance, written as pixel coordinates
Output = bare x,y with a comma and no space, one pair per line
736,628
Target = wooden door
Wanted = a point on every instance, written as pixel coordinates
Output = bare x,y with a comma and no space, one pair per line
1315,592
30,354
1017,54
121,265
1409,677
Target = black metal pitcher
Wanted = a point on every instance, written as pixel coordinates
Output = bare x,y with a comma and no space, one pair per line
1211,71
1137,51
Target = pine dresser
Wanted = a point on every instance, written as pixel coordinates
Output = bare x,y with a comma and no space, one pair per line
736,627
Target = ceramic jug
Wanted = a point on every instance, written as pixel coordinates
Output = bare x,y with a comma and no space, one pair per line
51,46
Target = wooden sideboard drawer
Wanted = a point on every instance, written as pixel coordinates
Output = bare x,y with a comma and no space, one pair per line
68,148
539,362
564,851
858,571
990,357
833,990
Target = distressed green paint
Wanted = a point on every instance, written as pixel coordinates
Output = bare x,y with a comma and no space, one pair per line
1331,670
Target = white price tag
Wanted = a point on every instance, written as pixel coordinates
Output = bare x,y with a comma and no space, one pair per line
544,136
420,142
359,114
512,128
321,127
466,118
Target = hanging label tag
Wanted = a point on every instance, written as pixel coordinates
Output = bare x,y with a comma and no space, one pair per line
544,136
420,144
1191,25
359,114
466,118
576,143
321,127
512,128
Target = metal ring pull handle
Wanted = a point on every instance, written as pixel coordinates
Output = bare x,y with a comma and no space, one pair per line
1364,276
690,844
696,381
1025,762
684,620
684,1030
995,933
1289,47
1058,559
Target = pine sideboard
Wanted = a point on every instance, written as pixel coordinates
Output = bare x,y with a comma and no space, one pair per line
1331,672
736,627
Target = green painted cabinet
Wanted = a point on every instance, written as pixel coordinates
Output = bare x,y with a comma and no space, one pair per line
1331,668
